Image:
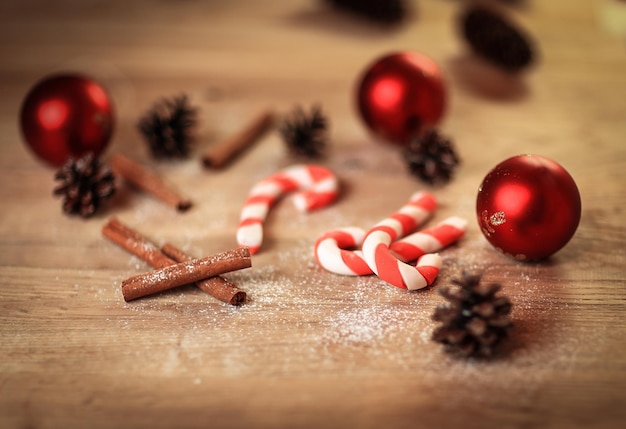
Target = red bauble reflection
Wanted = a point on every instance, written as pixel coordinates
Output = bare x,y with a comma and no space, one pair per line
528,207
66,115
400,95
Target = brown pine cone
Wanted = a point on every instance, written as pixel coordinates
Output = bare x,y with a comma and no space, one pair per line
431,158
475,320
388,12
85,184
167,127
492,36
305,135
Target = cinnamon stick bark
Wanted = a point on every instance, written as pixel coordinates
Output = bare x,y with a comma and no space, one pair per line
220,155
219,287
135,243
185,272
148,181
140,246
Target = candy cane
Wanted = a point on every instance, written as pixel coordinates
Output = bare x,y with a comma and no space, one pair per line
378,239
337,250
318,187
429,240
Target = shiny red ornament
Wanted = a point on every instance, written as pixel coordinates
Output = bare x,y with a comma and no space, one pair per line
528,207
66,115
400,95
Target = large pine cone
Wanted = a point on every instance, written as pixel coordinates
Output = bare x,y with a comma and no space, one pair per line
85,184
475,320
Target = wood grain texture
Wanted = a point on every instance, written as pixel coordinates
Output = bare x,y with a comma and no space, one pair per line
308,349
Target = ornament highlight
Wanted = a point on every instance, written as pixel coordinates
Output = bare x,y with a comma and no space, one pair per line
528,207
66,115
401,95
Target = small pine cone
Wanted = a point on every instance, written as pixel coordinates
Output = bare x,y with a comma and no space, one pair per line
386,12
305,135
431,158
167,127
495,39
85,184
475,320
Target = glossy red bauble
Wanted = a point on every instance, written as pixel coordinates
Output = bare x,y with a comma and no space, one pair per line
400,95
528,207
66,115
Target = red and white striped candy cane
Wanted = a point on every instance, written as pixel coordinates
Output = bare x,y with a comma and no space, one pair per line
378,239
429,240
337,250
334,249
317,186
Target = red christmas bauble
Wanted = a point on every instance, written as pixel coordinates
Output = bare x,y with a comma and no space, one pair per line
66,115
528,207
400,95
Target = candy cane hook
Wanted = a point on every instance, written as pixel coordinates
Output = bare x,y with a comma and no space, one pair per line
315,187
338,251
383,263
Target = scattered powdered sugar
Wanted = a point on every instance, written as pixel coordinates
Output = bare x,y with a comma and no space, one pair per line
364,324
346,311
319,311
305,319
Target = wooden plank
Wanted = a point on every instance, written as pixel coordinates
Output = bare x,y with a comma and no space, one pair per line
309,348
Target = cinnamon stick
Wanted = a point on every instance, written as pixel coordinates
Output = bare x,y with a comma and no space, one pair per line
135,243
148,181
220,155
185,272
219,287
140,246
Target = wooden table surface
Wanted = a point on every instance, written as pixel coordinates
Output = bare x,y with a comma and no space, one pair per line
309,348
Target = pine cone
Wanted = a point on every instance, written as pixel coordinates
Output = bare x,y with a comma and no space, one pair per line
305,135
384,12
494,38
475,321
431,158
85,183
167,127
